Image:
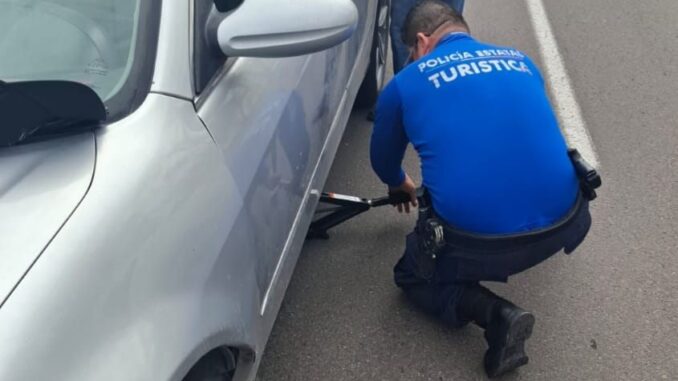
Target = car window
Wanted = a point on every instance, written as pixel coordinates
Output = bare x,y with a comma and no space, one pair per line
87,41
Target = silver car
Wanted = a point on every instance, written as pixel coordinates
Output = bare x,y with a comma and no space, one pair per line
160,163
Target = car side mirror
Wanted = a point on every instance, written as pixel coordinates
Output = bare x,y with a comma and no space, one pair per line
285,28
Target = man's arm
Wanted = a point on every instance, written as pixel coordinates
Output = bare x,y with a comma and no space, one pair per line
389,143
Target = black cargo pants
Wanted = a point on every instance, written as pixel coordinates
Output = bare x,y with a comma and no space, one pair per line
467,259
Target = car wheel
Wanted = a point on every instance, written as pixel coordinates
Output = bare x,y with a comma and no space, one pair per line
217,365
376,72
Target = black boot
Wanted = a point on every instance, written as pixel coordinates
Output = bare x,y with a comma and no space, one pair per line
507,327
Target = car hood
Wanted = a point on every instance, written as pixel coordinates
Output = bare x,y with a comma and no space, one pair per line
41,184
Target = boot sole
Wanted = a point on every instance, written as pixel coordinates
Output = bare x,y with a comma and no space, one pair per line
520,329
508,353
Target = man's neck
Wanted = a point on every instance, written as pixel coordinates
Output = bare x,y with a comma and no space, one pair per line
453,29
444,32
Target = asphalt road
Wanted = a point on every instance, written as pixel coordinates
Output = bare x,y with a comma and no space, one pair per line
608,312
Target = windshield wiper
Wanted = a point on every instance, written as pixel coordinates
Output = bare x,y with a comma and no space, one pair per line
42,109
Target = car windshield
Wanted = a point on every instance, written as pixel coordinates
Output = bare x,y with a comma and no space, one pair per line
87,41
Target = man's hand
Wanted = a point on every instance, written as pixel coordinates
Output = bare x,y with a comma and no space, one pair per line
408,186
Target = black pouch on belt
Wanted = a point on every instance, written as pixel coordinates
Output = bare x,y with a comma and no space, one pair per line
430,237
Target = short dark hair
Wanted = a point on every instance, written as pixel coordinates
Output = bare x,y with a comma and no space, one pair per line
427,16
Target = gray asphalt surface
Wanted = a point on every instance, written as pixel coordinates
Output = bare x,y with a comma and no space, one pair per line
608,312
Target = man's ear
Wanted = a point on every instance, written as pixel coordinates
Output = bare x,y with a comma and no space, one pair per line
423,42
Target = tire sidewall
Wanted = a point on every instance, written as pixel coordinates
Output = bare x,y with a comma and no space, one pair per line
371,86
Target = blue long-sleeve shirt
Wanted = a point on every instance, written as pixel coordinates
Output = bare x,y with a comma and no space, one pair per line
492,155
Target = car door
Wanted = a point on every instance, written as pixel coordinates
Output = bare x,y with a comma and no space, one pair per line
271,119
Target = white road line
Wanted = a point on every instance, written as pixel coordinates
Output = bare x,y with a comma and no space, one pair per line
572,122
